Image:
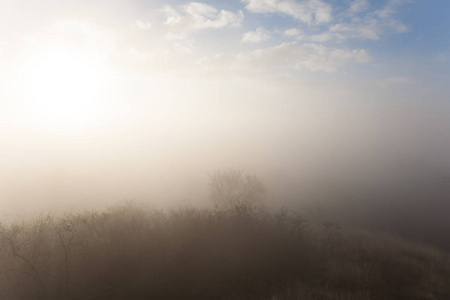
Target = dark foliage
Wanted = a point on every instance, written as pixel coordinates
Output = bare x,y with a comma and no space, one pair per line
131,253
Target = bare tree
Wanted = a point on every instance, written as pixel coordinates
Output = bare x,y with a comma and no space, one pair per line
232,189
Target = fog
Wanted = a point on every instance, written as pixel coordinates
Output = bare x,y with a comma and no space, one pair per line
314,146
144,102
240,149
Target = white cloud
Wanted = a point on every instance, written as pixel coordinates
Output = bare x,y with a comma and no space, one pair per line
370,25
356,7
358,21
181,42
311,56
197,15
390,8
370,28
321,38
143,25
307,11
366,29
292,32
257,36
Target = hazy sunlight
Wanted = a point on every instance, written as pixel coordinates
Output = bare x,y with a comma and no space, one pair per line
64,89
242,149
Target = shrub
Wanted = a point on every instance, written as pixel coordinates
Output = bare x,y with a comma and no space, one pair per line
127,252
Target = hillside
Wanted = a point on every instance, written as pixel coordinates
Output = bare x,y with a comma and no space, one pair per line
128,252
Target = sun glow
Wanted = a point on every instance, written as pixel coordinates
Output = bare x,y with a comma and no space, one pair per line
64,89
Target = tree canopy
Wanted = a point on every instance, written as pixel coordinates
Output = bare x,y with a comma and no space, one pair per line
232,189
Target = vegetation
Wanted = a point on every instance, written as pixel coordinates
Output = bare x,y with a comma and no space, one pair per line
232,189
128,252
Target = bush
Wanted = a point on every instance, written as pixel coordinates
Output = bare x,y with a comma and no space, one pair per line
128,252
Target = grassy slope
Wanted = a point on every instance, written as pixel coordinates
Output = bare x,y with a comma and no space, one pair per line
131,253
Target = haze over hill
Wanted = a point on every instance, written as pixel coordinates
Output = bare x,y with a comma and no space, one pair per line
271,149
103,102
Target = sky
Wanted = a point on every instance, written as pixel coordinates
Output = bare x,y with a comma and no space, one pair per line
103,101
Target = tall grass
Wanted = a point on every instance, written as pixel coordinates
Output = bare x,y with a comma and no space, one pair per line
128,252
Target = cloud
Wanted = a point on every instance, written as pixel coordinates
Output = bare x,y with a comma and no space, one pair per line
390,8
320,46
364,29
369,24
257,36
307,11
310,56
292,32
143,25
321,38
195,15
356,7
183,20
370,28
396,81
357,21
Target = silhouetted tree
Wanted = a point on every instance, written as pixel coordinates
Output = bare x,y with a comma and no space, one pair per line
232,189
